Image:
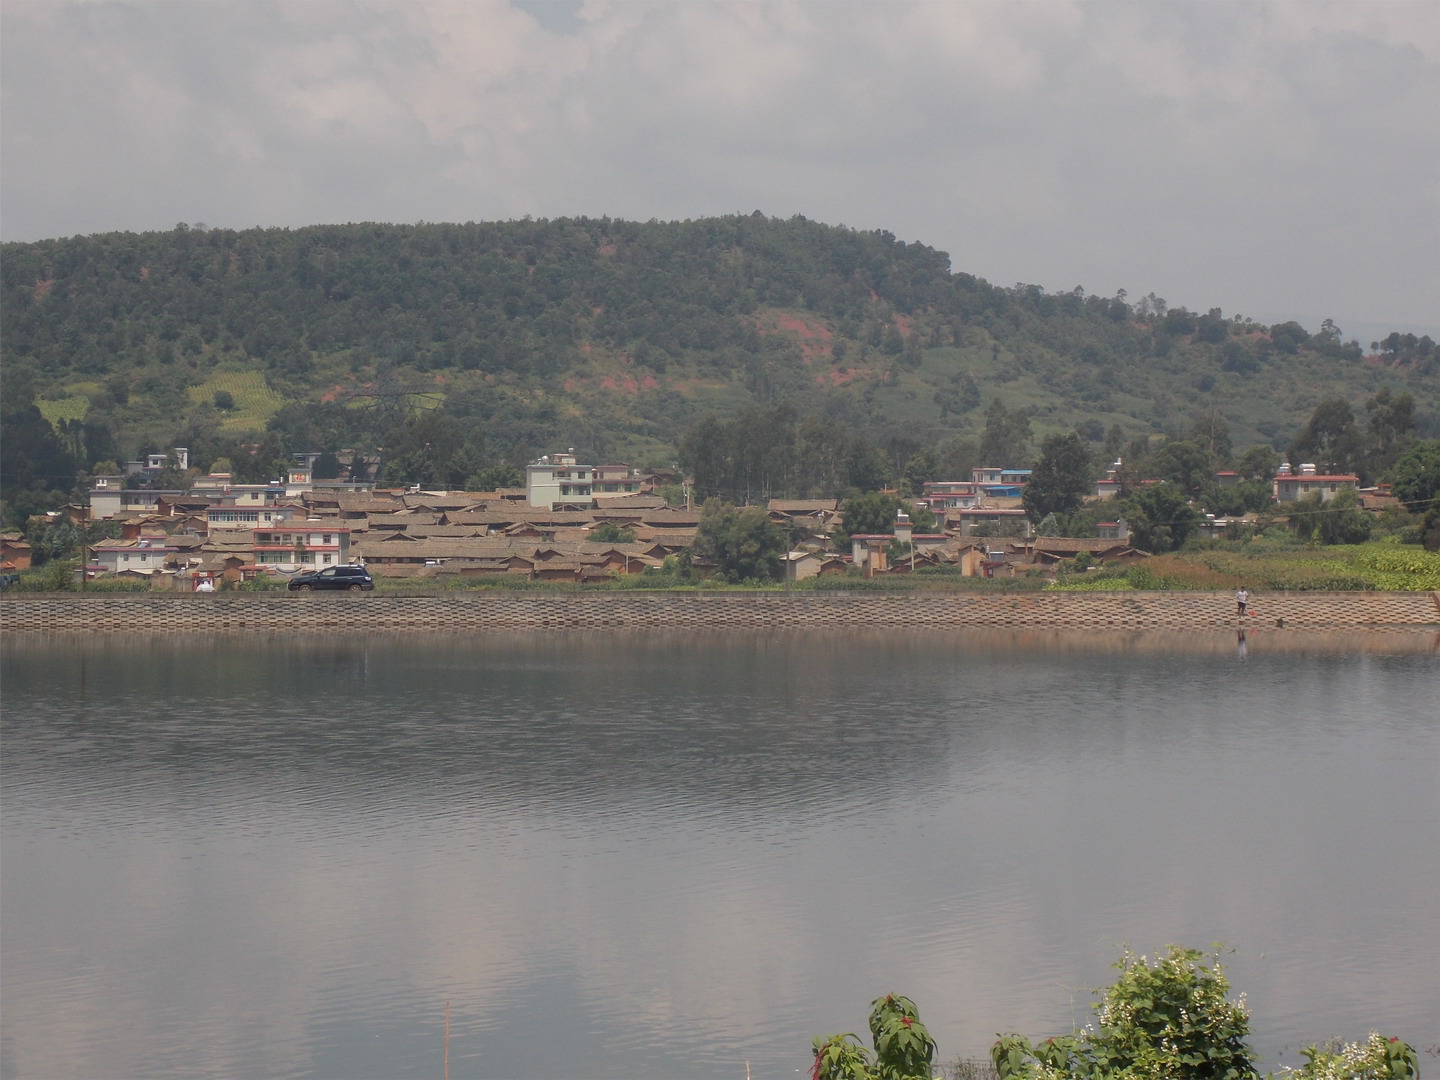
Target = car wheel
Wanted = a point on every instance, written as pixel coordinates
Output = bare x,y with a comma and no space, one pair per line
355,588
305,588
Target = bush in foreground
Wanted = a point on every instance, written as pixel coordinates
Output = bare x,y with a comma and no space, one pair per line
1167,1019
903,1047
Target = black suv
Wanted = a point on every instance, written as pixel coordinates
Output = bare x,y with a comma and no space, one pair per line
353,578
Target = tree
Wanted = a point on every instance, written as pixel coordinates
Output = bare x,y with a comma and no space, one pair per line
955,457
1062,477
874,515
1338,520
1259,463
1415,476
1211,328
744,544
1006,439
1211,431
865,466
1186,464
172,477
921,468
1160,518
432,450
1288,337
607,532
1390,420
327,466
494,478
1330,438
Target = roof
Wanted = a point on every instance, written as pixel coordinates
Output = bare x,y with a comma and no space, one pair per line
631,502
802,506
131,545
1069,543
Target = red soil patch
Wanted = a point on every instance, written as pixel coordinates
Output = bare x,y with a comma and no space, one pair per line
43,287
628,384
689,387
802,328
331,394
605,249
902,323
842,377
814,337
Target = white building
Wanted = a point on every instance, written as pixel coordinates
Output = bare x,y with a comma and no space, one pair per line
247,517
308,544
114,556
559,480
1292,486
110,498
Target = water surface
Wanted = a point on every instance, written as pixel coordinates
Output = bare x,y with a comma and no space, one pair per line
637,855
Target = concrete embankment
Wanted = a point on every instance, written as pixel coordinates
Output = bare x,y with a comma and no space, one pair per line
251,613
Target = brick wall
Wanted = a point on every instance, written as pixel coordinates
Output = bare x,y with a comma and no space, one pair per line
222,612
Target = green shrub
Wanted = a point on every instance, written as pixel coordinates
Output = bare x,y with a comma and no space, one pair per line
1172,1018
1378,1058
117,585
1097,584
904,1049
263,583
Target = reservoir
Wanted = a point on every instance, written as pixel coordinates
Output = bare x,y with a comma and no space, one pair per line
656,854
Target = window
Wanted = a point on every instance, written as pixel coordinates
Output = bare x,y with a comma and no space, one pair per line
325,539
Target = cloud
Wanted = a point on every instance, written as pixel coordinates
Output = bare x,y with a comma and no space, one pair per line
1281,159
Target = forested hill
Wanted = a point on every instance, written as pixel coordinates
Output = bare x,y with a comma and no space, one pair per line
613,337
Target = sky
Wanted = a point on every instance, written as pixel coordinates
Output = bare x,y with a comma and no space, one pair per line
1275,160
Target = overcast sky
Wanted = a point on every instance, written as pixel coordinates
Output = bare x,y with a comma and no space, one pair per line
1276,160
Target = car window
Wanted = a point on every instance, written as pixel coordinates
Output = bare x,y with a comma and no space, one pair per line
327,573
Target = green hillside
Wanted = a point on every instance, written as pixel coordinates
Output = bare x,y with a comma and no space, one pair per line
507,340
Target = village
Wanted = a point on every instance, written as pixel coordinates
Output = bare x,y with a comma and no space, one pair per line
572,522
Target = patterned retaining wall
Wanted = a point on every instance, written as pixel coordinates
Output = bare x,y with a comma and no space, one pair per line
262,613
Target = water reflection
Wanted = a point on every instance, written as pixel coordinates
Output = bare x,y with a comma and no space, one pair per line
642,855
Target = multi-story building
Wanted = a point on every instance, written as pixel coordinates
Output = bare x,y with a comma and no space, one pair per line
110,498
249,517
308,544
114,556
559,480
951,494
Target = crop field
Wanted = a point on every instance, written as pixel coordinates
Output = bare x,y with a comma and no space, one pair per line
255,401
1380,566
65,408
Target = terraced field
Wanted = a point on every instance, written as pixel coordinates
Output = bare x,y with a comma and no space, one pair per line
66,408
255,401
